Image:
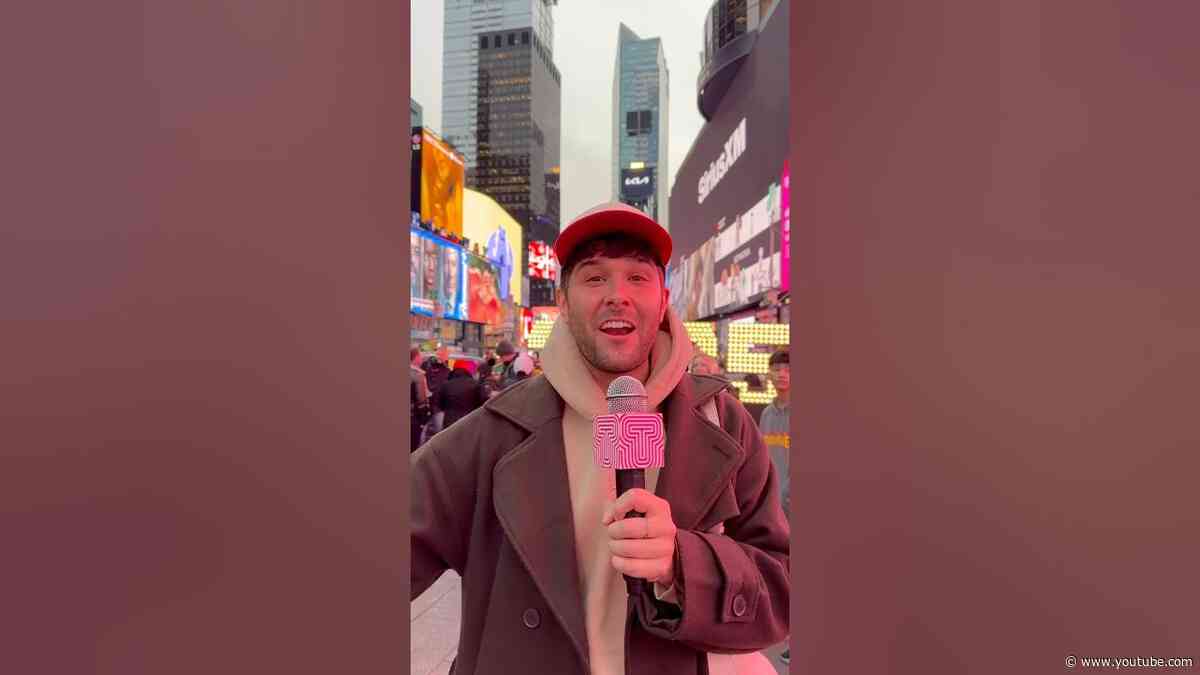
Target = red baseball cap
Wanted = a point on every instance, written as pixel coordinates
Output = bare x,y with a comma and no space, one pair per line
612,218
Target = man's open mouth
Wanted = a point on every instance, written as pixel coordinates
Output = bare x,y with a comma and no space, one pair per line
616,327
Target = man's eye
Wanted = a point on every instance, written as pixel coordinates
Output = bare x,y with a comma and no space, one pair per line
595,278
638,277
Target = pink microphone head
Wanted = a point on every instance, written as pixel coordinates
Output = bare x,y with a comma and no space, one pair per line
628,437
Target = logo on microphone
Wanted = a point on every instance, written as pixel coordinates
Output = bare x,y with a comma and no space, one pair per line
628,440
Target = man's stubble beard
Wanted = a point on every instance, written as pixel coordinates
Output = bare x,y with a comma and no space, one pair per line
586,341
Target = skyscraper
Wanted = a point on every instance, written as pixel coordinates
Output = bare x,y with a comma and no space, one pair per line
416,115
640,107
501,105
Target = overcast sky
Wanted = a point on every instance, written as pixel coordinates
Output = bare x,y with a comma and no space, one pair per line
585,49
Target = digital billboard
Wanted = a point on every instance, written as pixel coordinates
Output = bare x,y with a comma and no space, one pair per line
542,262
637,184
483,292
438,178
747,254
733,166
436,277
488,224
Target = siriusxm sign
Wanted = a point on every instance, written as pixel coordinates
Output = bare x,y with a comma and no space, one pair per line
735,147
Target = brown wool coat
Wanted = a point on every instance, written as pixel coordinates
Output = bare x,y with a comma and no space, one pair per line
490,500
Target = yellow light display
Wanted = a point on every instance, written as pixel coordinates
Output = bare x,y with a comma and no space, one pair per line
704,334
760,397
537,337
743,336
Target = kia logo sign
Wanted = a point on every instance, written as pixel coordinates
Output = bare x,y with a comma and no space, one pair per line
634,180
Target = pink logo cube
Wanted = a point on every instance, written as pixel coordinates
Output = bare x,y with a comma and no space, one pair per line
629,441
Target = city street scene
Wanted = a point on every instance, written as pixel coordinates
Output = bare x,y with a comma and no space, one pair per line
525,116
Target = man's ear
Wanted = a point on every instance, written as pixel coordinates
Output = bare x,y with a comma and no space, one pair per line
666,302
560,297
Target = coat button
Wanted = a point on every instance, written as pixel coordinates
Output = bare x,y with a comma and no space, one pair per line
739,605
532,618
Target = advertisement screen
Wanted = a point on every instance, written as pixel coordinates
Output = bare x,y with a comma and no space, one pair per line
542,262
483,292
740,152
747,254
699,296
785,229
499,237
637,184
442,173
436,277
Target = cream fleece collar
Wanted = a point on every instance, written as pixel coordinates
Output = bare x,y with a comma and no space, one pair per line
566,371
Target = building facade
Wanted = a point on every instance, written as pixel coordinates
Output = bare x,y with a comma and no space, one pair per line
640,113
465,21
518,113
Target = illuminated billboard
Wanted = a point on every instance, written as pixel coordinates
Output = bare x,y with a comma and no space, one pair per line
543,264
483,292
437,181
436,277
732,182
499,237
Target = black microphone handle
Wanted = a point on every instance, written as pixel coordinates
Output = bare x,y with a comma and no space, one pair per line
626,479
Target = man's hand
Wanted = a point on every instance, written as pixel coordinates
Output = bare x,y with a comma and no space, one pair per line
642,547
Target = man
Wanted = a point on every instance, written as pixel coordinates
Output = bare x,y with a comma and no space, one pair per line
776,432
506,374
511,498
703,364
461,393
437,368
418,397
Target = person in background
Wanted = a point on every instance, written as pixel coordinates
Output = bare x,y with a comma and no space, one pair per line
522,367
777,435
484,372
703,364
461,393
437,368
754,385
508,354
419,403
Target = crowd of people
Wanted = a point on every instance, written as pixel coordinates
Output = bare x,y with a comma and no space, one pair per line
441,393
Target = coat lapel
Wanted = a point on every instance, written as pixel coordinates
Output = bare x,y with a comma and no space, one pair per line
532,499
700,458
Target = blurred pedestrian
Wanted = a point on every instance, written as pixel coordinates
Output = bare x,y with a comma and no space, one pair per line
437,368
461,393
505,375
704,364
754,386
419,398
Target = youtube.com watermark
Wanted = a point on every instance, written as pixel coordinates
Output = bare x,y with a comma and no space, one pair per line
1127,662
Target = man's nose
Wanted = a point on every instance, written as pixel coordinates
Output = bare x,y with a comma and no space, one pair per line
618,293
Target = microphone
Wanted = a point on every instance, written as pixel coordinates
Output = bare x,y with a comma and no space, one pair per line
630,440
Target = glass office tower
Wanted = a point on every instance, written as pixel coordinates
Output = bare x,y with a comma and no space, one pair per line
640,107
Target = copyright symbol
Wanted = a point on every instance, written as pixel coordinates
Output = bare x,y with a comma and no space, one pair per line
1071,661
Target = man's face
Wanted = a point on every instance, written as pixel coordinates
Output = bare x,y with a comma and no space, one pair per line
613,308
780,376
